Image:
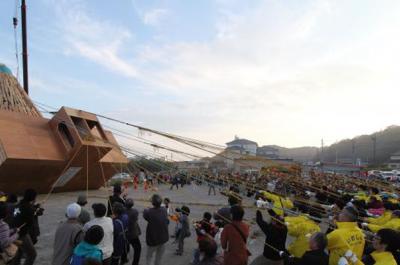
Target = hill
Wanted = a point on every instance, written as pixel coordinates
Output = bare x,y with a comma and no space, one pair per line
387,143
303,154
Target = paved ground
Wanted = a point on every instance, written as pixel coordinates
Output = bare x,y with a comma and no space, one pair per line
192,195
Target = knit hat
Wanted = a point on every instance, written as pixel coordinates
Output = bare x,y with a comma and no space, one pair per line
82,200
73,211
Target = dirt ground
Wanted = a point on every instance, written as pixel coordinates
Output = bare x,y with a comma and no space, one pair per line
196,197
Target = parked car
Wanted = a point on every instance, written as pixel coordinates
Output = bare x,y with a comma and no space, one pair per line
388,175
120,177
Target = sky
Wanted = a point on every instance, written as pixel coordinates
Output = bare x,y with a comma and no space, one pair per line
284,72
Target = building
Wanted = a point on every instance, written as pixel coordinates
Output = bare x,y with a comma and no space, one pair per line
71,151
242,146
394,162
339,168
268,152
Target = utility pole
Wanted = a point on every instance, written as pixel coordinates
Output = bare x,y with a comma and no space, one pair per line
24,46
373,137
353,150
322,150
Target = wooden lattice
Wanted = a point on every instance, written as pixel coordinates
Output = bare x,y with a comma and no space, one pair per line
13,97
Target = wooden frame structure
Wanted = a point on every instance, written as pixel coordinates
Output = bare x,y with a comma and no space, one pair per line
68,152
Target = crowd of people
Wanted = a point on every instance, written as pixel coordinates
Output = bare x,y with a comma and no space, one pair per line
321,219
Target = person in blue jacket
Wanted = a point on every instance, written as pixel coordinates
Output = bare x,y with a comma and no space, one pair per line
88,249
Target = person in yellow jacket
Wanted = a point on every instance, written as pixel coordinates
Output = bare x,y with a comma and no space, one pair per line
384,218
384,244
279,203
346,237
393,223
301,228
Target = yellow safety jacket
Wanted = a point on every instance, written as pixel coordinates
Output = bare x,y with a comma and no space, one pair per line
301,229
384,218
393,223
378,197
278,201
346,237
381,258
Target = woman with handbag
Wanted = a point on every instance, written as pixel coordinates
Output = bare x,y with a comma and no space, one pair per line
8,237
234,239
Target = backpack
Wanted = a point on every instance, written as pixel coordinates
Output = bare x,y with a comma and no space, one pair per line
77,260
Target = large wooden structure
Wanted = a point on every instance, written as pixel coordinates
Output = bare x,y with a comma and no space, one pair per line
70,151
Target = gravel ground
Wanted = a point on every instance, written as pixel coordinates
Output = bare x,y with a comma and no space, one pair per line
196,197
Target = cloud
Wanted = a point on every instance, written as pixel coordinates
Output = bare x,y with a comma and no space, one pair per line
155,16
279,72
97,40
274,71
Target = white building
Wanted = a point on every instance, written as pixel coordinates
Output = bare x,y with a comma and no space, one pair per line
394,162
243,146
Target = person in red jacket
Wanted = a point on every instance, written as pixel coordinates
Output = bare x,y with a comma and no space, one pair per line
234,237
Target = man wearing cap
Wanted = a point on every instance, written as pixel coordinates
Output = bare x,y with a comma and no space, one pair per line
68,235
346,237
84,217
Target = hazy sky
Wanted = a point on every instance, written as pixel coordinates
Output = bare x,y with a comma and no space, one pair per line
277,72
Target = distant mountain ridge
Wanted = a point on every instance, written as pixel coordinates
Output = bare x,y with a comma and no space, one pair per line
305,153
349,150
362,147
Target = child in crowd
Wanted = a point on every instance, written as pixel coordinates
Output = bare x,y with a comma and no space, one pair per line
183,228
88,248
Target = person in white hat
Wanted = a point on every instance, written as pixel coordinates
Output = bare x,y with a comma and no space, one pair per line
68,235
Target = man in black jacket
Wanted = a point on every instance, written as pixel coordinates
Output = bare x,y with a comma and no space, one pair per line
315,256
26,218
275,232
116,197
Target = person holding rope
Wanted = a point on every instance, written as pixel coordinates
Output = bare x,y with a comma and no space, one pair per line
26,217
386,247
346,237
275,232
316,254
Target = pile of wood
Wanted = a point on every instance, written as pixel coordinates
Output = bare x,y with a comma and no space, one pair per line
13,97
